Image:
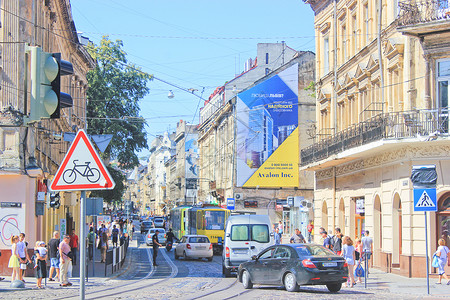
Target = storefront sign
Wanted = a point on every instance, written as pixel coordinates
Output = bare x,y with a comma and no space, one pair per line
360,206
251,204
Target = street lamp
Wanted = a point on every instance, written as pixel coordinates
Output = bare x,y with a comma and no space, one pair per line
32,169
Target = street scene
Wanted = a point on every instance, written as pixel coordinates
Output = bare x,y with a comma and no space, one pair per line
241,150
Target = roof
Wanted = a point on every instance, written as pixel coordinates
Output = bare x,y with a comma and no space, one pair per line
249,219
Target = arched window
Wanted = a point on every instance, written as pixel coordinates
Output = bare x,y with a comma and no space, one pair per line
443,219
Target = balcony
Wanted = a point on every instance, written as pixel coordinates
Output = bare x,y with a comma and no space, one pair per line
423,17
419,125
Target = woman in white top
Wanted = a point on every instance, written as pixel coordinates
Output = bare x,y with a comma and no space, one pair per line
348,252
444,255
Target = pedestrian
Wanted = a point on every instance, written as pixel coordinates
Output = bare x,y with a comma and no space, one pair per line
115,235
326,240
349,254
277,236
14,259
41,262
280,227
367,247
444,257
321,230
103,246
53,246
297,237
91,242
337,241
156,245
24,258
310,229
65,261
358,254
74,246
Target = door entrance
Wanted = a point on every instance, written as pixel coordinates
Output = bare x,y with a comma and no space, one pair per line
360,225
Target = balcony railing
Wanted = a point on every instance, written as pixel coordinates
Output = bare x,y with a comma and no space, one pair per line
422,11
397,125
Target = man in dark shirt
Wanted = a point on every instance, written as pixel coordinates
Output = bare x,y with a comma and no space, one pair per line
53,245
326,240
337,241
156,245
115,235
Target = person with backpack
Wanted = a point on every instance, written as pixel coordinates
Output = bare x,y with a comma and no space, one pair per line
91,242
326,240
337,241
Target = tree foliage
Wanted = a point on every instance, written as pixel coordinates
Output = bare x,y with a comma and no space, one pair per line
114,195
115,88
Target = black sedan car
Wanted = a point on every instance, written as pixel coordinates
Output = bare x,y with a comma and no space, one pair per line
293,265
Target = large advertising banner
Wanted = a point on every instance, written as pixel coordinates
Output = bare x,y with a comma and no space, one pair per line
267,134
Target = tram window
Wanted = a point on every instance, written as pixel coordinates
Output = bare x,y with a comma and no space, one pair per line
239,233
199,221
214,220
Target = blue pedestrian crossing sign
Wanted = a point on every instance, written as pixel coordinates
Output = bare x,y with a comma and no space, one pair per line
425,200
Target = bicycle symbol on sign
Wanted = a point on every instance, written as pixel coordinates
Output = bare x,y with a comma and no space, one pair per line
91,174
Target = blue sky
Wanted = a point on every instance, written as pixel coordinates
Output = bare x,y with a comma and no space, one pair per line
193,44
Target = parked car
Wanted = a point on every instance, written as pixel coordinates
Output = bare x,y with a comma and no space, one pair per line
145,226
159,222
245,236
194,246
294,265
161,236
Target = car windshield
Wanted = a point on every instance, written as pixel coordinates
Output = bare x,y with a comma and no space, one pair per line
198,239
159,229
259,233
147,223
313,250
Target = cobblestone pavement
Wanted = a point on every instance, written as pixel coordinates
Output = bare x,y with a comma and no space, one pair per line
199,279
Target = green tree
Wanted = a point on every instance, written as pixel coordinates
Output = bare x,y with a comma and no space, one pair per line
115,88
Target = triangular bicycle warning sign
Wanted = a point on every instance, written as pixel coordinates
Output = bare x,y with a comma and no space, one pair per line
82,168
425,200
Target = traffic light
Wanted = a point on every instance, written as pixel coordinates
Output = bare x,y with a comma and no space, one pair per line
55,200
46,70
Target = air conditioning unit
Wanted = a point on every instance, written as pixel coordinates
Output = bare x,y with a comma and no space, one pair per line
238,196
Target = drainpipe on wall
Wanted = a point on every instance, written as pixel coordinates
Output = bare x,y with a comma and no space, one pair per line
380,61
334,198
335,109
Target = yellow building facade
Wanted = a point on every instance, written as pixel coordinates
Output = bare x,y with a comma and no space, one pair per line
381,108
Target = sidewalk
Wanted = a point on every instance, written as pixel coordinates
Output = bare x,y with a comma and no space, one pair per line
379,280
99,278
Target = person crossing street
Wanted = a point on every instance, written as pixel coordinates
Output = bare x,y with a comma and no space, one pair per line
156,245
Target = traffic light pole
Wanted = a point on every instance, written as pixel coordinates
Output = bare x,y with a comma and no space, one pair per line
82,244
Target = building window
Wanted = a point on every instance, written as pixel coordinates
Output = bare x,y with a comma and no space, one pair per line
267,58
326,55
366,22
344,43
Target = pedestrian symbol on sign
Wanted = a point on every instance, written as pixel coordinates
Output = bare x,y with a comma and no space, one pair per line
425,201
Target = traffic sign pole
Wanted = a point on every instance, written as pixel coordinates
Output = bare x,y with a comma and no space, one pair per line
82,244
426,253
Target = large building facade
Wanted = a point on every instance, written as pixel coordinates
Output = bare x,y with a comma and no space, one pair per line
381,108
25,149
233,138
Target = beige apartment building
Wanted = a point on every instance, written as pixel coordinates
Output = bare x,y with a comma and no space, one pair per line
381,108
31,154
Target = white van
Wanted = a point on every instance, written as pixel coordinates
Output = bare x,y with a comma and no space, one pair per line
245,236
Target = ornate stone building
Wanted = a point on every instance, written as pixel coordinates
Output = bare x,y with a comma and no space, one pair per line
381,108
31,154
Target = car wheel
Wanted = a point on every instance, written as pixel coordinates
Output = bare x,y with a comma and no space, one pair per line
226,273
210,258
246,282
334,287
290,282
185,256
